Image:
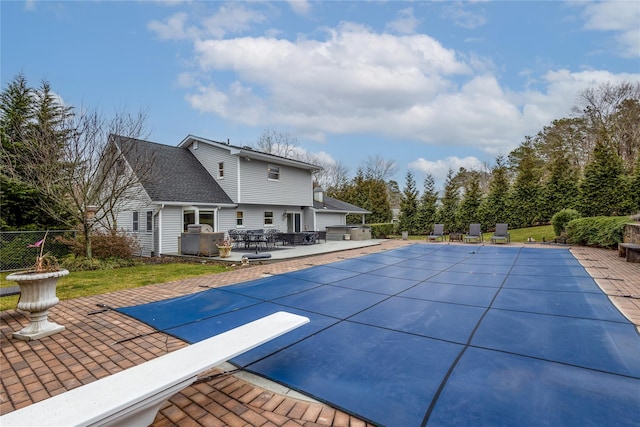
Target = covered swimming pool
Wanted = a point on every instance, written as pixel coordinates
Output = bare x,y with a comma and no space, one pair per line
436,335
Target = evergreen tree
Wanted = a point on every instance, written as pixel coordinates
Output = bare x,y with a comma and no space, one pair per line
561,190
494,207
602,190
635,186
469,209
368,193
426,215
409,205
447,211
31,123
525,197
394,194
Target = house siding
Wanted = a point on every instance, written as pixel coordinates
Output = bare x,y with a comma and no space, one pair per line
210,156
293,188
143,236
246,181
324,220
171,229
254,217
124,220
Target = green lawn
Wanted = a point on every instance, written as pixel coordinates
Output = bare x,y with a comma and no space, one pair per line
83,283
519,235
523,234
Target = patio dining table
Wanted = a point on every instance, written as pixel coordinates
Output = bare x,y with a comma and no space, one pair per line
257,238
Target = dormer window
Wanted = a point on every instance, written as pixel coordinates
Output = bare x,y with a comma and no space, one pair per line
273,172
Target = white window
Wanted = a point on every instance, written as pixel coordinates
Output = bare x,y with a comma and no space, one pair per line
189,217
135,226
268,218
206,218
149,221
273,172
221,170
239,218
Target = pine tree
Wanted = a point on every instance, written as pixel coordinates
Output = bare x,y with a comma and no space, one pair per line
561,190
426,215
525,197
31,126
602,188
409,205
494,207
468,211
447,211
368,193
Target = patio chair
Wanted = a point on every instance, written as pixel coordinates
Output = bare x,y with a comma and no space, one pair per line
438,232
237,237
501,234
474,234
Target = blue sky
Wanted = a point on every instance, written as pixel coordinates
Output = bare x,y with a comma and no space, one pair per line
429,85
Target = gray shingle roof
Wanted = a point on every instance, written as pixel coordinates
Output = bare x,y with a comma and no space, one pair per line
331,204
176,175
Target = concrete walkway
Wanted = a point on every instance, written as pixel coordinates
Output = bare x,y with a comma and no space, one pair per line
99,342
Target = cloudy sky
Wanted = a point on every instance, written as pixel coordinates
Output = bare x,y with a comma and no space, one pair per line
429,85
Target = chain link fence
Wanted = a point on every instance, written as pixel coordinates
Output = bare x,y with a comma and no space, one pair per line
15,253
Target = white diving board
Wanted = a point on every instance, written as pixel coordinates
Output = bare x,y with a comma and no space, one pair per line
133,397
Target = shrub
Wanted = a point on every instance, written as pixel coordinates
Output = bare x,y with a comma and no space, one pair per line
82,263
597,231
562,218
105,245
382,230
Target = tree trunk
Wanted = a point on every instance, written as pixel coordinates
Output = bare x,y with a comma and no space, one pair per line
87,239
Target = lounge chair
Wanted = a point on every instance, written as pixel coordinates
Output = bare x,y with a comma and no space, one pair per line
501,234
438,232
474,234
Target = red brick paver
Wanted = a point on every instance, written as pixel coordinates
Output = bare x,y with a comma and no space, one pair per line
98,343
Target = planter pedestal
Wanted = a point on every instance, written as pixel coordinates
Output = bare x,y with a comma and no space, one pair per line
37,296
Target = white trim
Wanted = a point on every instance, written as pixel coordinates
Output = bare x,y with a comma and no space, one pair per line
159,249
238,181
187,204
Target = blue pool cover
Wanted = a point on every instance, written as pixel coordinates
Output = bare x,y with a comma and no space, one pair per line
436,335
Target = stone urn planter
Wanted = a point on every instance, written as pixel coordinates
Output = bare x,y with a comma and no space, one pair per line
37,296
224,251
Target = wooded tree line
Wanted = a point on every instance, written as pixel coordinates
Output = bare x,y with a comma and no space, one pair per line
589,162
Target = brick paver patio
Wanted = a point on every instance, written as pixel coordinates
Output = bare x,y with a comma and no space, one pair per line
99,342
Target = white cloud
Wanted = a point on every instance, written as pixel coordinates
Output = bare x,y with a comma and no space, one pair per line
301,7
351,79
440,168
356,80
405,23
620,17
231,18
172,29
461,16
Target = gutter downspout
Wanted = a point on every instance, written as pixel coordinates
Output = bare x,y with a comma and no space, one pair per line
216,216
158,217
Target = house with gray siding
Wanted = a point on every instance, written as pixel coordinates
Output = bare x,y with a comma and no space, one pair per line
222,187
